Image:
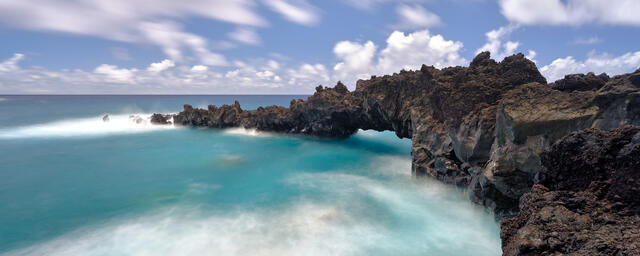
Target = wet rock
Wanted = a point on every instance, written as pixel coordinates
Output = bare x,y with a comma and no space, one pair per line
106,118
160,119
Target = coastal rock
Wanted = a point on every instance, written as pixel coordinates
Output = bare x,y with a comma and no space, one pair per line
106,118
160,119
581,82
482,127
586,202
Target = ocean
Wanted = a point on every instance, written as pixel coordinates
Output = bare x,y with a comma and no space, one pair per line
72,184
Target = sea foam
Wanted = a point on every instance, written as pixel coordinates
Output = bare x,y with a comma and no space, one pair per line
90,126
247,132
358,215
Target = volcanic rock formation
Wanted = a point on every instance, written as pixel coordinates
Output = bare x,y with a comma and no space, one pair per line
482,126
588,199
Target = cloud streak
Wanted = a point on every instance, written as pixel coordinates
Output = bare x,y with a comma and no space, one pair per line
571,12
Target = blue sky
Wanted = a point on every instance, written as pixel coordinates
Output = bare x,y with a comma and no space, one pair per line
291,46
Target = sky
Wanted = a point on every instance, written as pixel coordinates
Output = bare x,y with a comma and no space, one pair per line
291,46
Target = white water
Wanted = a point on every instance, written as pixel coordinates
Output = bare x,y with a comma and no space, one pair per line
344,225
90,126
247,132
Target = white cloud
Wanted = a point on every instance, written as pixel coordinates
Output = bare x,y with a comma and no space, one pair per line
265,74
412,50
160,66
133,21
571,12
11,64
496,42
298,11
308,76
253,76
199,68
246,36
531,55
370,4
612,65
170,37
272,64
416,17
590,40
356,58
114,74
403,51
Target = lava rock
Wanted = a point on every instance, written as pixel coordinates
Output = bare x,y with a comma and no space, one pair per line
160,119
581,82
586,202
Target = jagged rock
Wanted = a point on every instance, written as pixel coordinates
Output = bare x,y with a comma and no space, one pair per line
160,119
619,102
586,202
105,118
581,82
481,127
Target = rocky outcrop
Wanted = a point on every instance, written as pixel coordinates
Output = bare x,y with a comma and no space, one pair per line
581,82
482,127
587,200
160,119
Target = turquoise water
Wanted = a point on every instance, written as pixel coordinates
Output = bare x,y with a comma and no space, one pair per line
71,184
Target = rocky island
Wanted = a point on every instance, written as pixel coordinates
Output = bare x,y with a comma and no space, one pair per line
559,162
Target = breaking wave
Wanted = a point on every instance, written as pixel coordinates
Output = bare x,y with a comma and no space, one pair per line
247,132
91,126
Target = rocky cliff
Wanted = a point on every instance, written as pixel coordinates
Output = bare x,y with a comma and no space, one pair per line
484,127
587,201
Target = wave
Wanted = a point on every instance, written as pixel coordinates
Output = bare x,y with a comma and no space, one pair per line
247,132
91,126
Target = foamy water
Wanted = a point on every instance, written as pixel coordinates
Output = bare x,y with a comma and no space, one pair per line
345,225
90,126
247,132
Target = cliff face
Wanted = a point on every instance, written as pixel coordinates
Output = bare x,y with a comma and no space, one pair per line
587,202
483,127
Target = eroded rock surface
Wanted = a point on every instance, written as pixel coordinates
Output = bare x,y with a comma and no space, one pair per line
581,82
482,127
587,201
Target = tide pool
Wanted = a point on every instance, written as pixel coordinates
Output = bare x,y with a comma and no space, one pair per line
71,184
